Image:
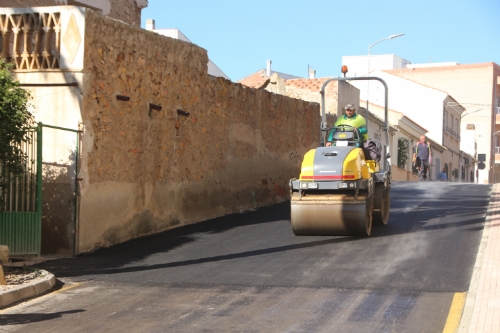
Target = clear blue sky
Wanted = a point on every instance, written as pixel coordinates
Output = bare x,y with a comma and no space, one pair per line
240,35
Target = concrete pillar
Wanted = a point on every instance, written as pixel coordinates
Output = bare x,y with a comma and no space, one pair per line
150,24
268,70
312,73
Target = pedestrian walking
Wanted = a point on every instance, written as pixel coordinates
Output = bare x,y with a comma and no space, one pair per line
423,157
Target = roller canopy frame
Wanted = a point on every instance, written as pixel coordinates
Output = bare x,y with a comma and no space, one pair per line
385,127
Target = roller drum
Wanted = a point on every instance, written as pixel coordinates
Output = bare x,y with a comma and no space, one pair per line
382,204
332,216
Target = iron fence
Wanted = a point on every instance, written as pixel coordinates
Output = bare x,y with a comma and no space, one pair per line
21,199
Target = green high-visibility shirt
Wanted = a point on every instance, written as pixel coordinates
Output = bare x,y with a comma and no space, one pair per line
356,120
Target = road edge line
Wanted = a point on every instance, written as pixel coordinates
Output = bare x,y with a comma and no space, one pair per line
455,314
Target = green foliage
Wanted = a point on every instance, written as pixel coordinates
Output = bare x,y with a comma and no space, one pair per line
403,145
15,121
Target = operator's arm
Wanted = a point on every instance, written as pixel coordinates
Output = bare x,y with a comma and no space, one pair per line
329,139
363,130
361,125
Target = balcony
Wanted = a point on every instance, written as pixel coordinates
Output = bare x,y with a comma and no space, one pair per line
48,39
451,132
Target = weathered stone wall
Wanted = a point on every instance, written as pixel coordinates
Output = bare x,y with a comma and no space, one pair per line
146,170
123,10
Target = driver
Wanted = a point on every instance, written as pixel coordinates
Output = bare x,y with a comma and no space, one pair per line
350,118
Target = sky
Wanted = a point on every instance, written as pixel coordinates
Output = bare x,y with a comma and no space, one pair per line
240,35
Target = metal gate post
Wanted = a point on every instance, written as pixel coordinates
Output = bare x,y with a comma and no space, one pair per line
39,146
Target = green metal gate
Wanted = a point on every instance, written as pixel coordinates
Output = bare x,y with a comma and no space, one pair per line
21,215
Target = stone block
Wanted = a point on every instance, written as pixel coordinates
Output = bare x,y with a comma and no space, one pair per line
45,285
2,276
27,292
4,253
9,297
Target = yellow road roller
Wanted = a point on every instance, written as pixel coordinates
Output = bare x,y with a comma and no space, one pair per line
344,187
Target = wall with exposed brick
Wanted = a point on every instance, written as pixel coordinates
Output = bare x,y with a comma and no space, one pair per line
123,10
308,89
147,170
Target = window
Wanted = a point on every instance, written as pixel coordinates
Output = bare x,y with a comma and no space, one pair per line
445,119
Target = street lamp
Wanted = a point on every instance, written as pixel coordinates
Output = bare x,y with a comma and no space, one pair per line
458,104
463,115
369,54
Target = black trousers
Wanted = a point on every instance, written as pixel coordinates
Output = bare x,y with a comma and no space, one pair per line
422,170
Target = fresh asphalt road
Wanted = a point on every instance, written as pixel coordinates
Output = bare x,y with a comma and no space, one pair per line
249,273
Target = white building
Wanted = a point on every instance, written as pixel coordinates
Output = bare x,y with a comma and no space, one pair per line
177,34
358,65
423,104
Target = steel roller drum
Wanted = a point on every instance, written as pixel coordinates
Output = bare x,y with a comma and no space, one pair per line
333,215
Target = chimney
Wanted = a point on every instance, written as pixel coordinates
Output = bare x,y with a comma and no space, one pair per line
268,71
150,24
312,73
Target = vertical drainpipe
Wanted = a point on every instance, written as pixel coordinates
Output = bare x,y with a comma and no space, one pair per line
76,211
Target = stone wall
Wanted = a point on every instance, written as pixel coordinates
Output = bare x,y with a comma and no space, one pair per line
145,170
123,10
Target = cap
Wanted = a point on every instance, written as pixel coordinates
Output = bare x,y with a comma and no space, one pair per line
350,107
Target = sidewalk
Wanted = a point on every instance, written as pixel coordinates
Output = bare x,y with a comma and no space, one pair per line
482,306
13,294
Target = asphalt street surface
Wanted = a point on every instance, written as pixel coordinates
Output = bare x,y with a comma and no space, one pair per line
248,273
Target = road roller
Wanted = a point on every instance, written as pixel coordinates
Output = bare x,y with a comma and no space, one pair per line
344,188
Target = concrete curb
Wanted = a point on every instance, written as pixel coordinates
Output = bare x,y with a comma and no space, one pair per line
470,301
28,290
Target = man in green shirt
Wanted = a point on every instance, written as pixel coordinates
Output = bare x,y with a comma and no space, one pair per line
350,118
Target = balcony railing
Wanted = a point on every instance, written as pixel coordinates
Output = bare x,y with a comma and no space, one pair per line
31,40
452,132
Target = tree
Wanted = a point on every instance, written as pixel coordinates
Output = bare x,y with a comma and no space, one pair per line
403,145
15,122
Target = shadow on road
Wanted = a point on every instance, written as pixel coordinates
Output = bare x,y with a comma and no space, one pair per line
410,215
26,318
